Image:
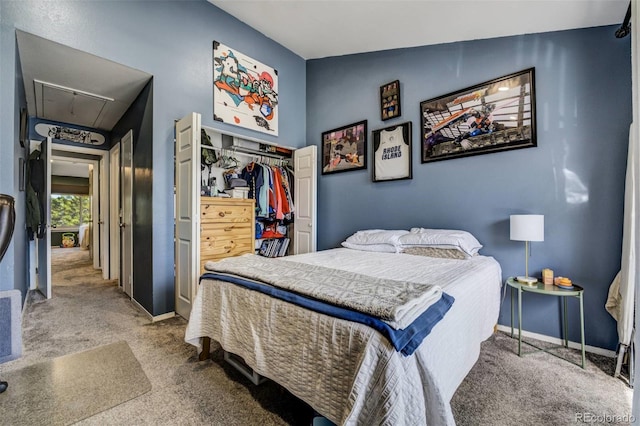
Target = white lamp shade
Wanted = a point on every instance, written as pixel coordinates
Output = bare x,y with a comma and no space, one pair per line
527,227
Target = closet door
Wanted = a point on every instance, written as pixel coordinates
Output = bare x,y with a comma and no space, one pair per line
187,216
305,189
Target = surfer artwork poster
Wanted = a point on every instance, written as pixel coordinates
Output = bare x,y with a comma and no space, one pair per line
245,91
493,116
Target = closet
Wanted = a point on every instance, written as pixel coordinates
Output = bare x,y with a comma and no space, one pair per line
211,227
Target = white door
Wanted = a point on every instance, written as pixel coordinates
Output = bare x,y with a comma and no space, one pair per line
187,212
90,221
114,213
104,223
127,214
44,243
305,189
95,222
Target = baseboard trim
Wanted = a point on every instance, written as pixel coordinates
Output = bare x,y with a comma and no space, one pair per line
163,317
574,345
151,317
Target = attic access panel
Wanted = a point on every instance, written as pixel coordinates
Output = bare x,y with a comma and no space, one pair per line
245,91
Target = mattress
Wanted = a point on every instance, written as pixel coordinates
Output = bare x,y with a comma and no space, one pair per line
346,371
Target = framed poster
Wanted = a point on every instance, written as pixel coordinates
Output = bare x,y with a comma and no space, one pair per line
493,116
392,153
345,149
245,91
390,100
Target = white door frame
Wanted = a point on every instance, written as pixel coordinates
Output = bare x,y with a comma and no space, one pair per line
114,213
43,245
101,210
103,221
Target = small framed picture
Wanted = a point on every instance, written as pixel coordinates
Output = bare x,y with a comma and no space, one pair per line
390,100
345,149
392,153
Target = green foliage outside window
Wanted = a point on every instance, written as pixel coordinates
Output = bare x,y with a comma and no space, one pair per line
69,210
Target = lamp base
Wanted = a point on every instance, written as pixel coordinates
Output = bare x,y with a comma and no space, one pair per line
527,280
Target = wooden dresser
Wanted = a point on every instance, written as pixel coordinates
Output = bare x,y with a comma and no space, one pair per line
227,228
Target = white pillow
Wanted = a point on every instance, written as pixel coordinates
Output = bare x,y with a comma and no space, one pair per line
441,238
380,248
377,236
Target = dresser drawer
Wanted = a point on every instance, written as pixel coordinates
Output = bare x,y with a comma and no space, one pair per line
227,228
224,246
236,213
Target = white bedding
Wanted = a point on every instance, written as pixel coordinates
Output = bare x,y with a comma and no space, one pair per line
346,371
83,236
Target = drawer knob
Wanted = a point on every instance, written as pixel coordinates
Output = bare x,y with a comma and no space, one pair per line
221,214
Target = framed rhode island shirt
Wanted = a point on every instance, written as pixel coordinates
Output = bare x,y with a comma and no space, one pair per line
392,153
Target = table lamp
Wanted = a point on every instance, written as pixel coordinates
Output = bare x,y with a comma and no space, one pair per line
527,228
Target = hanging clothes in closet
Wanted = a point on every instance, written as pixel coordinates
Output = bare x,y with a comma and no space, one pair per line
272,188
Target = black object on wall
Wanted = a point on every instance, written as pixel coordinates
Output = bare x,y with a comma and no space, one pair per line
7,222
625,28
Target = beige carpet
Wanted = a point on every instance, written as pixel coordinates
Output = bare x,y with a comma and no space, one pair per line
73,387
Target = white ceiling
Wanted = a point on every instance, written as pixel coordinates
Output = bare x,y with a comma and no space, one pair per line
69,168
321,28
68,85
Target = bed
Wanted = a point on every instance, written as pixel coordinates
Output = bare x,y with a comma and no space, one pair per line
84,237
347,371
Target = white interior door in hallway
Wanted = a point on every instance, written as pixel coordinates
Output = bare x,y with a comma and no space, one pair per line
126,146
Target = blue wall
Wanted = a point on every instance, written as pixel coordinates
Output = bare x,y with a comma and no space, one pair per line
575,176
172,40
20,245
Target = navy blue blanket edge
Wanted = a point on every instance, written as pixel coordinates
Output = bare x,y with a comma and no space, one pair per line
405,341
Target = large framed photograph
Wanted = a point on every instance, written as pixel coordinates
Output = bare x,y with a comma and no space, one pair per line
345,148
245,91
390,100
493,116
392,153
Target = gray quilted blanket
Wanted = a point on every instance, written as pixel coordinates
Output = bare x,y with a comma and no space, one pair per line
398,303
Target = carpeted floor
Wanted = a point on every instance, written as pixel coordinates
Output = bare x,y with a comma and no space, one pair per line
85,312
